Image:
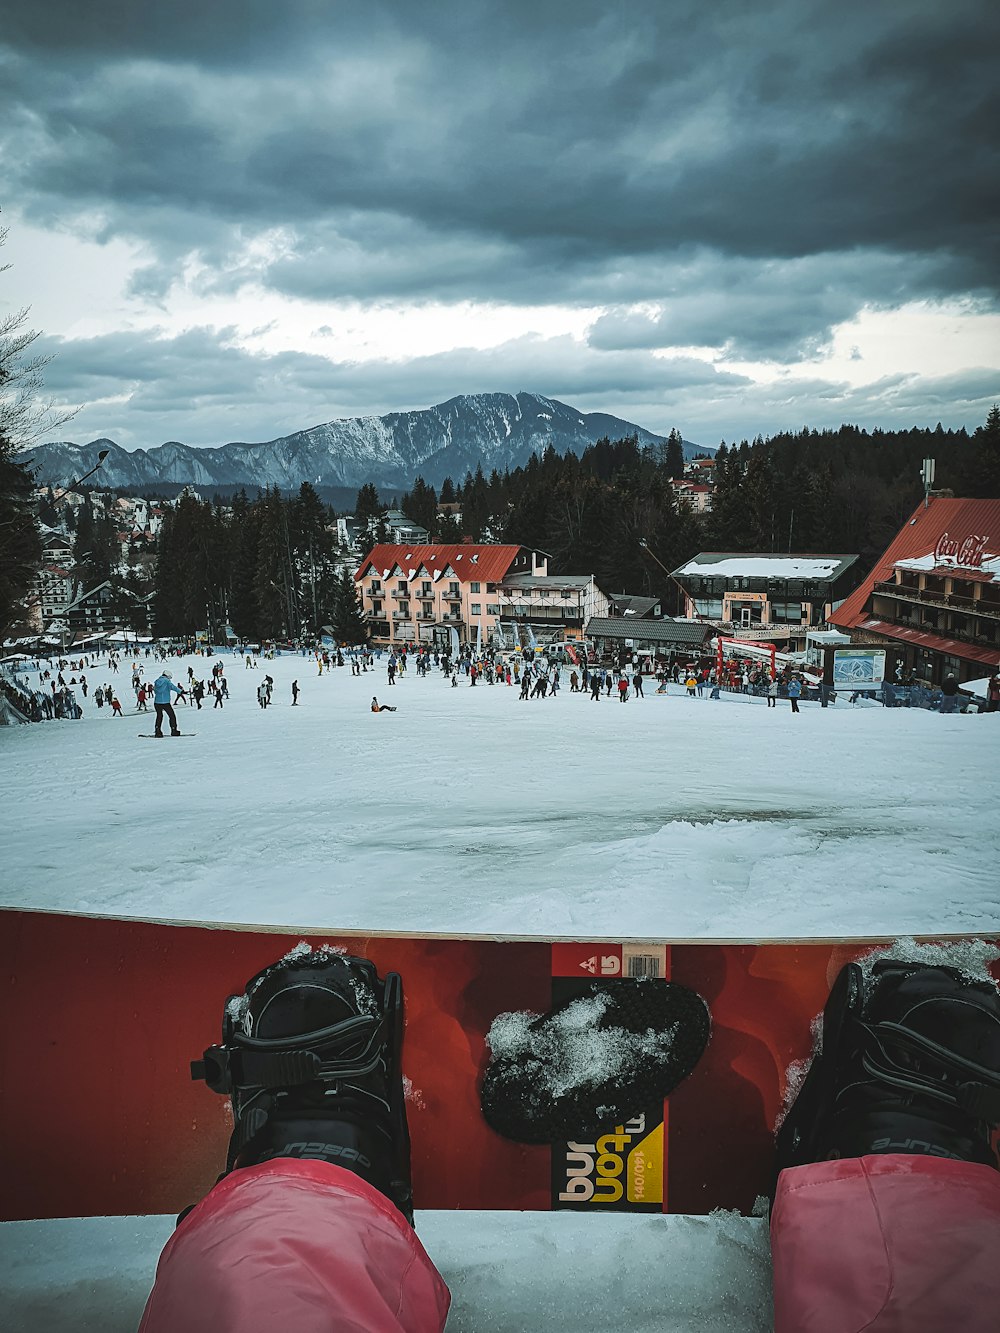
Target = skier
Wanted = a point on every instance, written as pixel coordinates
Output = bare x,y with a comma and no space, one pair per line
382,708
162,687
295,693
262,695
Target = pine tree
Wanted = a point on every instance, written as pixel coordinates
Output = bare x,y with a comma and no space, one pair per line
986,440
368,505
348,621
673,459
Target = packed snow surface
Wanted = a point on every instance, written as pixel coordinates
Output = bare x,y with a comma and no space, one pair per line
471,812
468,811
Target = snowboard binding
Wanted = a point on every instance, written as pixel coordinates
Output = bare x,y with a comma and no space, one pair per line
310,1057
910,1063
592,1062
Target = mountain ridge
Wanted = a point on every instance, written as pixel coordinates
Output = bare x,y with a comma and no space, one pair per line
496,430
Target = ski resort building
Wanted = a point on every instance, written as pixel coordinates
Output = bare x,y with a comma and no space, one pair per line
462,594
772,598
438,594
935,593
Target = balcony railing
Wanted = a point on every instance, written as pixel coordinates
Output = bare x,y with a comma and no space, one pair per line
426,617
452,618
398,596
975,636
923,597
401,615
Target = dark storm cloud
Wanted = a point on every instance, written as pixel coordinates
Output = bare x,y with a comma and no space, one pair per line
544,152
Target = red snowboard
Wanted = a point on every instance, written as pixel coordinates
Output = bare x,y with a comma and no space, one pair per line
103,1016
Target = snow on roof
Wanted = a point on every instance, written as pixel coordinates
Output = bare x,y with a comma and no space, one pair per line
766,566
987,571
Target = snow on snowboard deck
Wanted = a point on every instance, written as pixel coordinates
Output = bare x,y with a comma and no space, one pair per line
103,1016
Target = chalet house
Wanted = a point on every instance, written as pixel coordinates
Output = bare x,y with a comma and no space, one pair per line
772,598
935,593
549,608
403,531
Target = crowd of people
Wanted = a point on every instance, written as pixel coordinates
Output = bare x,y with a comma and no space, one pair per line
62,683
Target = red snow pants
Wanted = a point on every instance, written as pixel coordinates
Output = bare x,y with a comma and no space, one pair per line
893,1244
294,1246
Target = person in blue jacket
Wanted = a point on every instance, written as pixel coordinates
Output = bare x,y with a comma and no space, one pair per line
162,686
794,690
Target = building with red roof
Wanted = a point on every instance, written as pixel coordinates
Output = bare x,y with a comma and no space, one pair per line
935,593
420,593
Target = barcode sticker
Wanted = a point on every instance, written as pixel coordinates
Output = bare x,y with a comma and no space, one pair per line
642,962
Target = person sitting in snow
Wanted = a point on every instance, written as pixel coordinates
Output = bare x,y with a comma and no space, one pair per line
381,708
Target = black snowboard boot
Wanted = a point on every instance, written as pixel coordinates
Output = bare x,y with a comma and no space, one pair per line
910,1063
311,1058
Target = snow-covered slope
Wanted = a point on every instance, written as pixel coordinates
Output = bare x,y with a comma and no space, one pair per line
491,430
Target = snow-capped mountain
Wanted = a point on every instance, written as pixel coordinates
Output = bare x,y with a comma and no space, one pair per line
494,430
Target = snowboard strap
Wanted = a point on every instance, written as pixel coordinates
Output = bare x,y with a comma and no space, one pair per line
979,1095
272,1062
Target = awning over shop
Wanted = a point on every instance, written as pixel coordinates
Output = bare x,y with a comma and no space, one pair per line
666,634
969,652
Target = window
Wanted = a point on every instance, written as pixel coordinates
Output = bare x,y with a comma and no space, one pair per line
565,594
427,589
376,608
492,610
401,585
543,592
710,607
473,587
476,609
453,590
376,585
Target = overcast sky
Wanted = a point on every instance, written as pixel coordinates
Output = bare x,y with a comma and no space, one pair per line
235,218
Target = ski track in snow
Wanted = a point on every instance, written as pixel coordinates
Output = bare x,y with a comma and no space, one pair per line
470,811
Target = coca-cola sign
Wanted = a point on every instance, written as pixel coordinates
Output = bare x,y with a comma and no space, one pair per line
966,552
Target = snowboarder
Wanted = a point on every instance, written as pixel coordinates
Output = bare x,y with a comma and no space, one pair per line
162,687
382,708
295,693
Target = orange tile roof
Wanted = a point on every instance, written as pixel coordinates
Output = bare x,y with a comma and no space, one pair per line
918,539
469,562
